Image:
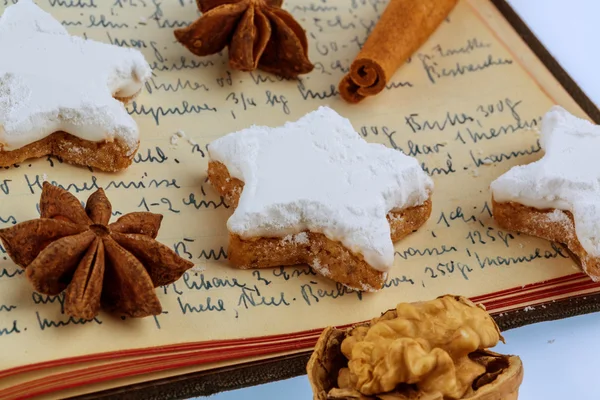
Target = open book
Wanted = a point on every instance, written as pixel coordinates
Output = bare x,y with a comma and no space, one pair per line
467,105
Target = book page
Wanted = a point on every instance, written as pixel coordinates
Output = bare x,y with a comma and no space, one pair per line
464,105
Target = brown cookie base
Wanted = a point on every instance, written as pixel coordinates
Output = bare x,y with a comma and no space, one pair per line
327,257
544,224
106,156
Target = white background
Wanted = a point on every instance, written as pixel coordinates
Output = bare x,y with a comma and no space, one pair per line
560,357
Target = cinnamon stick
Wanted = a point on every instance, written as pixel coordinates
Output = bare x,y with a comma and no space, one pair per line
403,27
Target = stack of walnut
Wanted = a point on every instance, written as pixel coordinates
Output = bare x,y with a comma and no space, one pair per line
435,350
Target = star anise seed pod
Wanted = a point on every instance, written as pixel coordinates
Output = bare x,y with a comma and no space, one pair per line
258,33
75,250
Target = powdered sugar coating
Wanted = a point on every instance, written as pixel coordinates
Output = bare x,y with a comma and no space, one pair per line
299,238
558,216
319,174
51,81
566,178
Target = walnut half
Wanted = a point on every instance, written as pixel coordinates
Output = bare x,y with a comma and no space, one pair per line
435,350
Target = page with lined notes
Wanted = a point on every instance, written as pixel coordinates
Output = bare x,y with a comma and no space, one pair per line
468,106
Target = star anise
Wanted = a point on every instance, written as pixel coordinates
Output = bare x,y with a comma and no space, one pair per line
258,33
75,250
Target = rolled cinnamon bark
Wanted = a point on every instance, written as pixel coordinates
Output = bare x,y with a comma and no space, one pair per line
403,27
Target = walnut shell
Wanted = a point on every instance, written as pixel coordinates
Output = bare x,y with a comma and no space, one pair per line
501,380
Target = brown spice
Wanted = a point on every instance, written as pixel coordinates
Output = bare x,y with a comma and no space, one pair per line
404,26
75,250
258,33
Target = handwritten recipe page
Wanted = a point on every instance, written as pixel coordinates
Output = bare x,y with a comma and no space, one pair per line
464,106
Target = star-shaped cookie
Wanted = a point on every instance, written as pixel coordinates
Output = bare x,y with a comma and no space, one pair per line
59,94
313,191
558,196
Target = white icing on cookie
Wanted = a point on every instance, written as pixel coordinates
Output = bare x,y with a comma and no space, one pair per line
51,81
319,174
566,178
